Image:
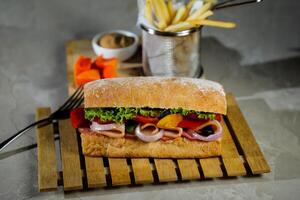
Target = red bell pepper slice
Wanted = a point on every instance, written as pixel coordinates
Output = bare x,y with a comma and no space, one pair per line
218,117
77,118
144,119
191,123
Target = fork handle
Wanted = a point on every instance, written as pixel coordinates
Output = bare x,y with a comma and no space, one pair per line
21,132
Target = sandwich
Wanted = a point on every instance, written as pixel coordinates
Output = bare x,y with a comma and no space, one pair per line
155,117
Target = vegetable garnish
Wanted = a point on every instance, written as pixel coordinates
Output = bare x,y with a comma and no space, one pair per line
148,133
145,119
170,121
77,118
121,114
87,76
191,123
82,64
196,135
200,115
86,70
118,115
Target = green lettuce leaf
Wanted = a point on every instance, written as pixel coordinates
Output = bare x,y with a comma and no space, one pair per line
148,112
121,114
185,112
111,114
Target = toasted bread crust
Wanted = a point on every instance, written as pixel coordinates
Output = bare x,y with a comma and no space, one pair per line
156,92
99,145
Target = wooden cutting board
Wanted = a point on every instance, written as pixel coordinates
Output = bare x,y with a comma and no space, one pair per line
241,154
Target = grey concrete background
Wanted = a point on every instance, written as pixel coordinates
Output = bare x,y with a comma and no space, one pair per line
258,61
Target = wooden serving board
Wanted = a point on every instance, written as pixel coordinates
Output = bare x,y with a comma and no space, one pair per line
241,156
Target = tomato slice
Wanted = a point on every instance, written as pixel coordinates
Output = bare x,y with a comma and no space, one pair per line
193,116
77,118
191,124
144,119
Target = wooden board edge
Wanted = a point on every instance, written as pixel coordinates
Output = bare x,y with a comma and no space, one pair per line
264,167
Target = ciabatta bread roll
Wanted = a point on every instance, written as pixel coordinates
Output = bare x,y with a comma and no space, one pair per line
156,92
194,101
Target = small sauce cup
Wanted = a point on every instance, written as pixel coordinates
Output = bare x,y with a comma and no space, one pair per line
121,53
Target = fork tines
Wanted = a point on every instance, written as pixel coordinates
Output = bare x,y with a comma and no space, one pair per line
73,101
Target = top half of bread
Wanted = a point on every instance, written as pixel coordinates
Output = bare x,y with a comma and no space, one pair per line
156,92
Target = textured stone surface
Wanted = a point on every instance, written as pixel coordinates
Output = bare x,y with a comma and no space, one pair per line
258,61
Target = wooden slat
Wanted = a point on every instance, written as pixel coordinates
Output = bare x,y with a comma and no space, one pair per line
211,167
258,164
72,175
142,171
165,170
119,171
232,161
95,172
188,169
47,166
243,133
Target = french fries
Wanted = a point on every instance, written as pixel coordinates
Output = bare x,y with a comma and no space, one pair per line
190,5
179,15
171,9
160,15
160,25
215,23
163,15
164,10
206,14
188,9
148,12
181,26
200,11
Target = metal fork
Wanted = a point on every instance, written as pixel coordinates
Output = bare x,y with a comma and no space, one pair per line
230,3
62,112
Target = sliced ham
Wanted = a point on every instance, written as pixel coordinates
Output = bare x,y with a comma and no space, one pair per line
173,132
113,130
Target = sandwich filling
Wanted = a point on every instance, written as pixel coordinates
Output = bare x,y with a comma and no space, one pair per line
148,124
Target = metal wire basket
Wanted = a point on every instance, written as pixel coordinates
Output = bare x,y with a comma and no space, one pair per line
171,54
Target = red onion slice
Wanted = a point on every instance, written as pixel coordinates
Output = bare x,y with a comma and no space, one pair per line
216,127
155,135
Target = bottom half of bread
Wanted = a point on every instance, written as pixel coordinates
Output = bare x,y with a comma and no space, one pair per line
99,145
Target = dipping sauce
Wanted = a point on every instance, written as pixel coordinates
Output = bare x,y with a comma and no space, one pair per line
115,41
